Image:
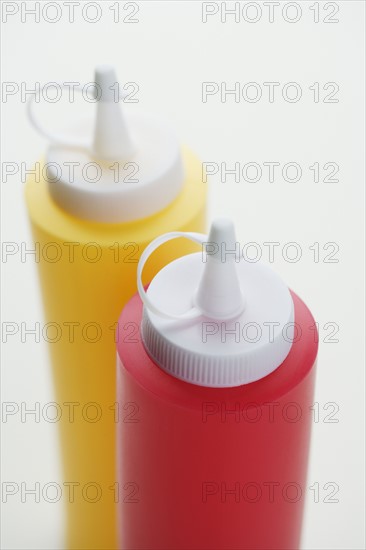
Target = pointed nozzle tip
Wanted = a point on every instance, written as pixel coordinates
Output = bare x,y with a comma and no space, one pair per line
219,294
105,78
111,137
222,232
222,228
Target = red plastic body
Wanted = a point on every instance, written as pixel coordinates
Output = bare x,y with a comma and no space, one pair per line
212,468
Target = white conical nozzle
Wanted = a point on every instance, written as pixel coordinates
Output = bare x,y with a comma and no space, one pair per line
111,137
219,295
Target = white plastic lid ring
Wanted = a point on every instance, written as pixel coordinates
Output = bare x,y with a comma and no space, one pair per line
137,162
200,311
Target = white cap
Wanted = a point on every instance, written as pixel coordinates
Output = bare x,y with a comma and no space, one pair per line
136,168
212,319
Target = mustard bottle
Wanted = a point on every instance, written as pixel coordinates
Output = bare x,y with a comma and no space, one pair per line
91,224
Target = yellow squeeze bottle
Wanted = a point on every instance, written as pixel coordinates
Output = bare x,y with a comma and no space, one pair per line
91,235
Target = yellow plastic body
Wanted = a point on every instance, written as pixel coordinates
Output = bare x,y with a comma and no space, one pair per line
88,273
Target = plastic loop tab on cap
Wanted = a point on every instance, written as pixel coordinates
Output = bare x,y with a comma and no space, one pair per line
55,138
192,313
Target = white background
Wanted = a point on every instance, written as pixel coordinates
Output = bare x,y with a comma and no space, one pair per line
169,53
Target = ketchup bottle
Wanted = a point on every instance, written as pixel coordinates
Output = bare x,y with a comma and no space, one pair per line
216,367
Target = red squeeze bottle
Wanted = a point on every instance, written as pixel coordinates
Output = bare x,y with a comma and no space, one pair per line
215,384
